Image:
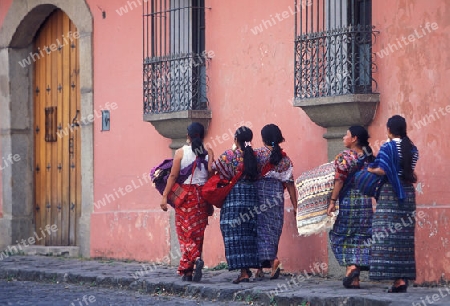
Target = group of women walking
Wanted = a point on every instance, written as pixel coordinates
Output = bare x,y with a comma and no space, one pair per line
362,237
264,174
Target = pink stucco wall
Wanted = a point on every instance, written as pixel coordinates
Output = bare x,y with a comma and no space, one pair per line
251,78
413,81
4,6
130,224
251,82
248,72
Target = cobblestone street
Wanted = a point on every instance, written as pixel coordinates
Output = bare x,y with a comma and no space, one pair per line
43,280
40,294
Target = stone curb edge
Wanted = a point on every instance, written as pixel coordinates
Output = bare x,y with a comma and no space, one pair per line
186,290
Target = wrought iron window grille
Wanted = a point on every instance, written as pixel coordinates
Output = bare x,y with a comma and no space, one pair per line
333,48
175,60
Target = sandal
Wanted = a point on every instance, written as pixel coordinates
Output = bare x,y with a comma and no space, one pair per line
241,279
187,278
276,274
259,275
249,273
399,289
348,280
198,270
276,265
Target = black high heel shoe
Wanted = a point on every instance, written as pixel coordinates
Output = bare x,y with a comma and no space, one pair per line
399,289
348,280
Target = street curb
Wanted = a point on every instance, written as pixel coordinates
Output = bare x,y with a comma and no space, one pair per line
215,285
150,286
183,289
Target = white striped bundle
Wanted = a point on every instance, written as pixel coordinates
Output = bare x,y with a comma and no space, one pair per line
314,189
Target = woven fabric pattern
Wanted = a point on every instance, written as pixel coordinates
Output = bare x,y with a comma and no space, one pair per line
177,194
368,183
392,252
191,218
314,189
238,224
352,232
270,220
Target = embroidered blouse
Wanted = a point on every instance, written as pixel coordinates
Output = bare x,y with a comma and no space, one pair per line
282,172
228,162
345,163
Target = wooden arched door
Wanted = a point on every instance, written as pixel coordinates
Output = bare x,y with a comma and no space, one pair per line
57,136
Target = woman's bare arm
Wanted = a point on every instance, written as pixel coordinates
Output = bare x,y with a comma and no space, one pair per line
175,171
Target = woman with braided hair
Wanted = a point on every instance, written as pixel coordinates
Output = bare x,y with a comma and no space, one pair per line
237,223
392,255
276,172
191,217
353,226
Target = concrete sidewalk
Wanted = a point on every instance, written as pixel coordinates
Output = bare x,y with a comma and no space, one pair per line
215,285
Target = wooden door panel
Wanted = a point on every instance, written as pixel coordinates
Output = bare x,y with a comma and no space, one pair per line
57,77
74,141
47,147
39,206
54,158
57,187
65,81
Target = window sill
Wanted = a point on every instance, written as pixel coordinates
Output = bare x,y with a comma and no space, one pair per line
174,125
344,110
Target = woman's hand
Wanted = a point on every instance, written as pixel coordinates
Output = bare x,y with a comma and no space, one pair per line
290,187
377,171
210,152
164,203
331,207
210,159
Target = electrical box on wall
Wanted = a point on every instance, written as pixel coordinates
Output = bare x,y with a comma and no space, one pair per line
105,120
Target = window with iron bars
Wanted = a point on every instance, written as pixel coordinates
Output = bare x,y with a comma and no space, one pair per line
333,48
174,56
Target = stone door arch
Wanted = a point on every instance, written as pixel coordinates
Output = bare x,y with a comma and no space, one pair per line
16,116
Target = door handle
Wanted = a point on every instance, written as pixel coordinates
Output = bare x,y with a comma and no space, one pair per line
74,120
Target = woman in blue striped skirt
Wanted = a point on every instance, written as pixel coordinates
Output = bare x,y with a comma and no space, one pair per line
276,172
237,221
392,253
352,231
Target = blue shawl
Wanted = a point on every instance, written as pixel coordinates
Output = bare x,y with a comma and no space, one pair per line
388,160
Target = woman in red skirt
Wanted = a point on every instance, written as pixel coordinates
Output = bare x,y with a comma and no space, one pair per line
191,217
